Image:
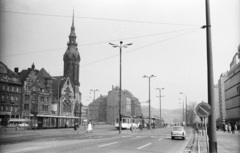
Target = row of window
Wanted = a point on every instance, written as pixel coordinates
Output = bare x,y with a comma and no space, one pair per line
10,88
35,106
9,108
34,97
12,98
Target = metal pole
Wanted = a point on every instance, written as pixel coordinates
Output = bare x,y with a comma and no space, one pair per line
212,122
186,107
120,98
149,106
160,104
183,110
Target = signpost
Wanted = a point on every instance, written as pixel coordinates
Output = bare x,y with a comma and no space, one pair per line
204,110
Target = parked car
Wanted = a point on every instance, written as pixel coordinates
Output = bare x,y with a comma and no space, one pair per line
178,131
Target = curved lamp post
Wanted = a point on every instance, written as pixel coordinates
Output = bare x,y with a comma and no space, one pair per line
149,122
120,47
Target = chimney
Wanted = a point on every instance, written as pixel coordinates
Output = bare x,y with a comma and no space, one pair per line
112,87
16,69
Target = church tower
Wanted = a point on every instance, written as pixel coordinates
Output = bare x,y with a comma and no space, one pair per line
71,58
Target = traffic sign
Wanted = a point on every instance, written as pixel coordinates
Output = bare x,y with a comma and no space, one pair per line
203,109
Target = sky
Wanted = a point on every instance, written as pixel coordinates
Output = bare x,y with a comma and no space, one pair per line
167,38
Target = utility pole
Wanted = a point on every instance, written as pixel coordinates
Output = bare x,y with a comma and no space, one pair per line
212,121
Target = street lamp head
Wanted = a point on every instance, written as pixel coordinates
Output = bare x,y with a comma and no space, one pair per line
121,42
152,76
114,45
144,76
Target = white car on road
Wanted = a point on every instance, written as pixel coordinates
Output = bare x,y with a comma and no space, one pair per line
178,131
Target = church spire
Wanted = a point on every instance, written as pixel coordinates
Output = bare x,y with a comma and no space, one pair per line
73,19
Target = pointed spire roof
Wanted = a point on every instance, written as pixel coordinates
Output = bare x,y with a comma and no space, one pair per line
72,50
73,19
72,34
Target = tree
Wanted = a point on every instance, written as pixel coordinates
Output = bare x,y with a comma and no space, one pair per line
191,115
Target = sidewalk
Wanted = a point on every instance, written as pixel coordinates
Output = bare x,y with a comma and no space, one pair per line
226,143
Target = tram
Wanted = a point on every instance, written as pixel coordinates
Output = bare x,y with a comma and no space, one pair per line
127,122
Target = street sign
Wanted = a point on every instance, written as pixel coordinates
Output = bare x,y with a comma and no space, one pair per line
203,109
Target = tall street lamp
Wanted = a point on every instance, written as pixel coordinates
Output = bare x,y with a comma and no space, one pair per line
149,122
160,100
120,63
183,109
185,104
94,92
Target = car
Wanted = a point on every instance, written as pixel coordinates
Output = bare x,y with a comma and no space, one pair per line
178,131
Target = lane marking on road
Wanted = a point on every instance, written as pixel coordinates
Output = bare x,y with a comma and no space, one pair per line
107,144
161,139
144,146
25,149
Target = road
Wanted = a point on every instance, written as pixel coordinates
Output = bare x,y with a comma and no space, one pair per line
103,140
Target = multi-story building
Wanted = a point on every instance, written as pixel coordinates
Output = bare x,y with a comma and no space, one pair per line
37,94
232,90
10,92
106,108
216,98
97,109
221,96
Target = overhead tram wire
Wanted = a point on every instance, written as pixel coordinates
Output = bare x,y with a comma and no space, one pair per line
136,37
95,18
140,48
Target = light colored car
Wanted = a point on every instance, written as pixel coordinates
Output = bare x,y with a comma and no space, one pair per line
178,131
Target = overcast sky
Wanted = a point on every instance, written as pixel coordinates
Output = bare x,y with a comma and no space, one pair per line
166,35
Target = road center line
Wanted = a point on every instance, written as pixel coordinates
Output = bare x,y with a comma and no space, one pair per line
107,144
144,146
161,139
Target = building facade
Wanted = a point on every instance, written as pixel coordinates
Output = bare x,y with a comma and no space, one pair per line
221,96
232,89
10,92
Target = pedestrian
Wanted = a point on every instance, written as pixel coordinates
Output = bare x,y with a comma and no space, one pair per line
76,127
229,128
89,127
226,128
235,127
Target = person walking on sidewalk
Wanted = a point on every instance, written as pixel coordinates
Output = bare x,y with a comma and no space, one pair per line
89,127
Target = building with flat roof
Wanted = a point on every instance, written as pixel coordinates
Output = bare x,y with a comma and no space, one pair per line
232,89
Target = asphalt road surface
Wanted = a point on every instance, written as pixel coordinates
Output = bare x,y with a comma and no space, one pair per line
104,139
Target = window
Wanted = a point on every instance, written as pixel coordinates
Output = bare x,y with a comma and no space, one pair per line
47,99
12,98
1,107
4,87
3,97
16,98
12,88
11,108
7,87
44,107
26,106
42,98
16,109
